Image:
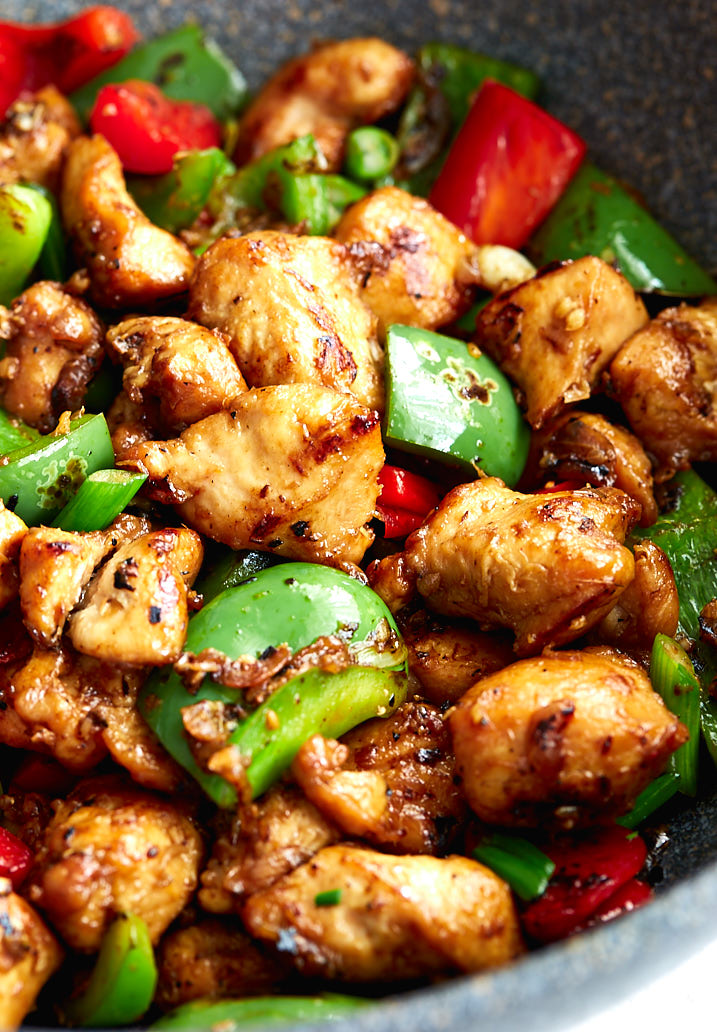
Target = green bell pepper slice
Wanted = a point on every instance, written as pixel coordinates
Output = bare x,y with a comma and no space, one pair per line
25,219
184,64
52,263
38,479
294,603
448,402
14,433
673,676
230,568
122,983
259,1012
173,201
596,216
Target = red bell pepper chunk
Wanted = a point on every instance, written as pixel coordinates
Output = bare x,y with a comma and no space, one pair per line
586,876
15,858
147,129
398,522
632,895
405,501
507,167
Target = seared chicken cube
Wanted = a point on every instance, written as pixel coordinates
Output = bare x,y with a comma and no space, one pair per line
563,738
128,425
34,137
29,955
554,334
12,532
292,309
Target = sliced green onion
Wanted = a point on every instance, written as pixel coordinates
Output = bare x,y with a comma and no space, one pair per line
673,676
370,153
14,433
659,792
259,1012
525,867
100,498
330,898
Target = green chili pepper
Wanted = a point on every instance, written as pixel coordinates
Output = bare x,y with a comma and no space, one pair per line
123,980
293,603
14,433
259,1012
232,568
184,64
657,793
99,499
25,218
445,402
39,478
173,201
304,201
52,263
596,216
525,867
673,676
371,153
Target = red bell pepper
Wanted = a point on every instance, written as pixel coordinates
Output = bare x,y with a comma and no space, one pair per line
507,167
67,53
405,500
147,129
587,875
15,858
632,895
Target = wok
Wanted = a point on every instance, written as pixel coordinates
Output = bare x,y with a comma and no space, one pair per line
635,80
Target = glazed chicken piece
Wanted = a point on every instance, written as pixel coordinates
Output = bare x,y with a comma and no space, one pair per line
665,378
556,333
546,566
398,917
135,610
54,348
130,261
292,308
391,782
177,371
291,469
214,960
128,425
562,738
29,955
264,841
34,137
327,92
12,532
112,848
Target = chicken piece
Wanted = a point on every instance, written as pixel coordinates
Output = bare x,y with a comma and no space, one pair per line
327,92
177,371
112,848
448,657
213,960
135,610
648,606
554,335
546,566
54,348
130,261
586,447
34,137
265,841
398,916
128,425
292,470
29,955
292,308
415,263
665,378
563,738
391,578
12,532
708,622
391,782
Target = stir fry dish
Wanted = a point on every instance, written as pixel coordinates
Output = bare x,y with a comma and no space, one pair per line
357,541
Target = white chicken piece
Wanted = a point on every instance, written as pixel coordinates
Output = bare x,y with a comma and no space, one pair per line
291,469
12,532
29,955
292,309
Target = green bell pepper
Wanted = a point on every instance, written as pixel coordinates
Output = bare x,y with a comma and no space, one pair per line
173,201
52,263
184,64
231,568
294,603
39,478
14,433
258,1012
446,401
596,216
673,676
122,983
25,219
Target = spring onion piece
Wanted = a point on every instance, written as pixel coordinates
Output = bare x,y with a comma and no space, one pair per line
673,676
657,793
370,153
330,898
99,499
41,477
526,869
25,218
123,980
258,1012
14,433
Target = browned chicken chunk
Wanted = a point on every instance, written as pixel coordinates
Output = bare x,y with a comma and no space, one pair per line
29,955
292,309
554,334
34,137
110,849
562,738
398,916
12,532
129,260
665,378
128,425
54,348
177,371
292,470
326,92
